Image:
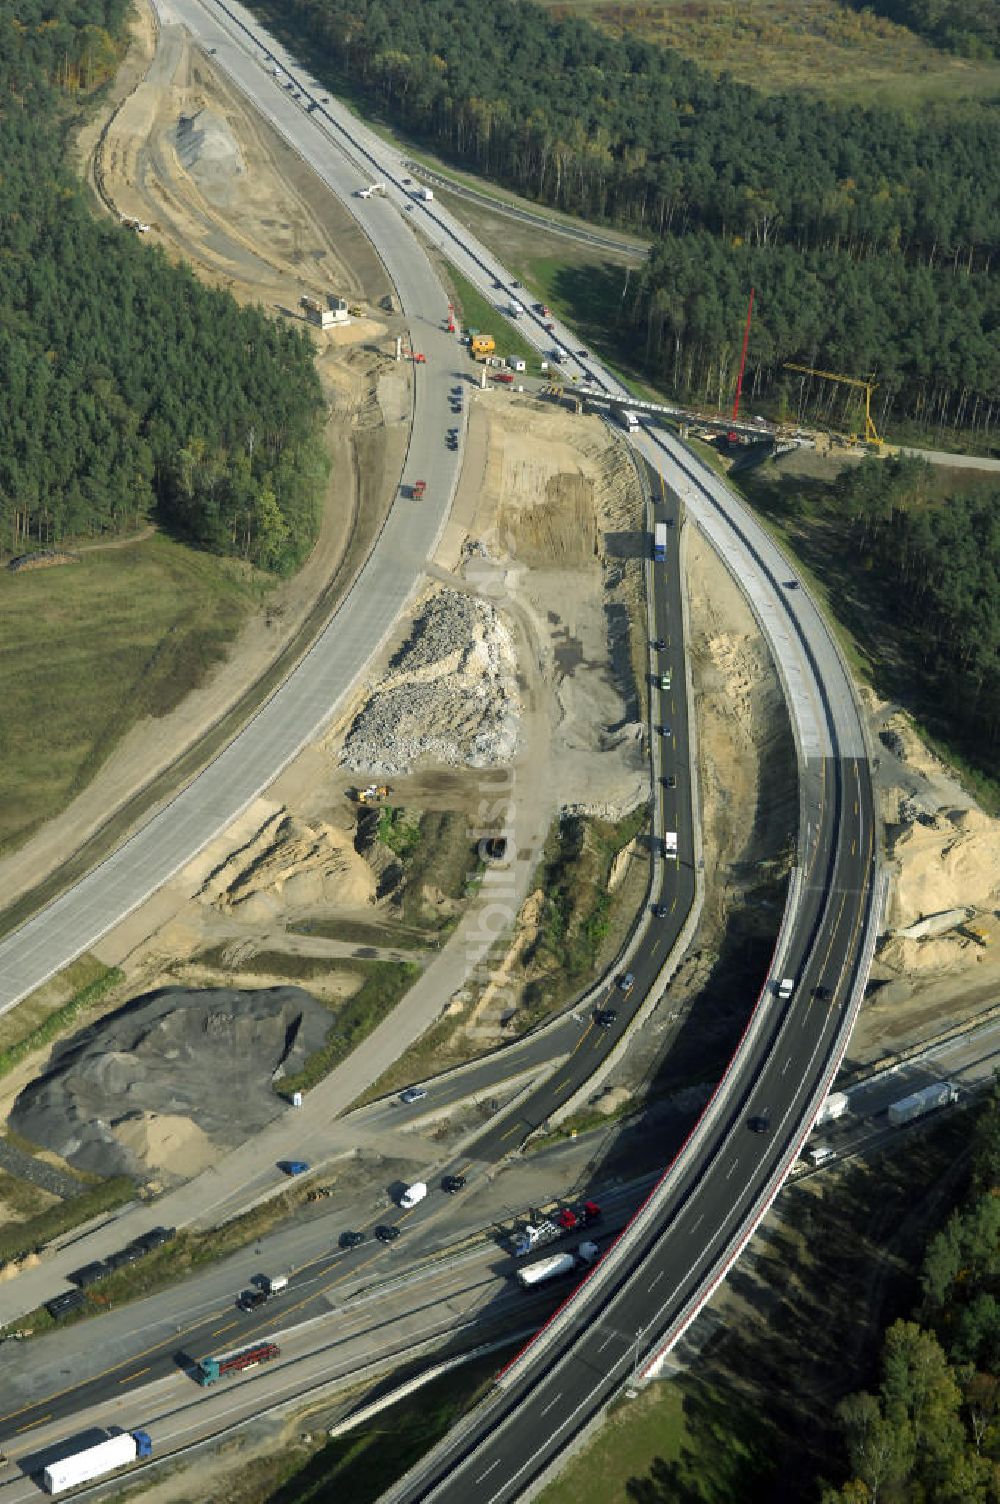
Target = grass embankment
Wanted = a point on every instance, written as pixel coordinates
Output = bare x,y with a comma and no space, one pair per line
826,48
583,924
90,648
19,1239
54,1022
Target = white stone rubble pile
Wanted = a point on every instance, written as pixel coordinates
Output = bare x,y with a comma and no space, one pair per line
448,697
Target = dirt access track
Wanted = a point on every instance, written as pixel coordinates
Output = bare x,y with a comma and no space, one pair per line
184,154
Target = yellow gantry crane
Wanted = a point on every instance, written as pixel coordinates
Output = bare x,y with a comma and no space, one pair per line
871,433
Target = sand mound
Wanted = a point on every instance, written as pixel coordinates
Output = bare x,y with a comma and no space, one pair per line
947,861
939,954
122,1089
170,1143
289,868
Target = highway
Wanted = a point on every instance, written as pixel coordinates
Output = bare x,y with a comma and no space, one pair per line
693,1227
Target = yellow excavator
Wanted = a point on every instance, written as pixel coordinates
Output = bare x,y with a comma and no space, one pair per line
373,794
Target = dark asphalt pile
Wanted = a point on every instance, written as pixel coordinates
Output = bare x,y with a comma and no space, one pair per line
211,1056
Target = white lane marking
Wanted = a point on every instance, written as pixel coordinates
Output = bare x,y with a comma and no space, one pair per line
551,1402
491,1467
732,1169
656,1281
787,1063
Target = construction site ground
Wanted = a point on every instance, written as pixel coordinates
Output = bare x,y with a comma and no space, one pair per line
535,594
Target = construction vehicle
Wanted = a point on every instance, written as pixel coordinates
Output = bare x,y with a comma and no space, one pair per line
872,438
210,1370
419,488
482,345
372,794
96,1462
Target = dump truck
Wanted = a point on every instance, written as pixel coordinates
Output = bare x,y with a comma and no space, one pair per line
555,1265
482,345
908,1109
419,487
96,1462
210,1370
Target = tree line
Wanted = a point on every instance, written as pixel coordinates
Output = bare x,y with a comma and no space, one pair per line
129,389
932,1430
938,563
968,27
923,332
866,209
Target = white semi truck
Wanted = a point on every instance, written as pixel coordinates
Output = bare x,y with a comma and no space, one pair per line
836,1104
96,1462
908,1109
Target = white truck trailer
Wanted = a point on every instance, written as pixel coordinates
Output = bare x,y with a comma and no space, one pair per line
96,1462
670,845
908,1109
836,1104
555,1265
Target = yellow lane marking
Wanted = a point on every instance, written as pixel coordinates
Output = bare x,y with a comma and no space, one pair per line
137,1375
220,1329
32,1423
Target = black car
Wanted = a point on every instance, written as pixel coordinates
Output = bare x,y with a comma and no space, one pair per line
388,1232
583,354
759,1124
604,1018
249,1300
660,910
453,1183
351,1239
515,284
823,994
791,584
670,781
659,643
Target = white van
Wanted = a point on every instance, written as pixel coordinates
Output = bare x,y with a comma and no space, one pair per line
820,1154
413,1195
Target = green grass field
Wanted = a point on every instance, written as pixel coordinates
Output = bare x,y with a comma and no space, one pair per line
478,312
90,648
819,45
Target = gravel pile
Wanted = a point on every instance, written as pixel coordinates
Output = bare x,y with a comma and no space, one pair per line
448,697
207,1056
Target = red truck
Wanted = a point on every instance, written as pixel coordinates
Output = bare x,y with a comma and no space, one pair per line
209,1370
419,488
503,376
